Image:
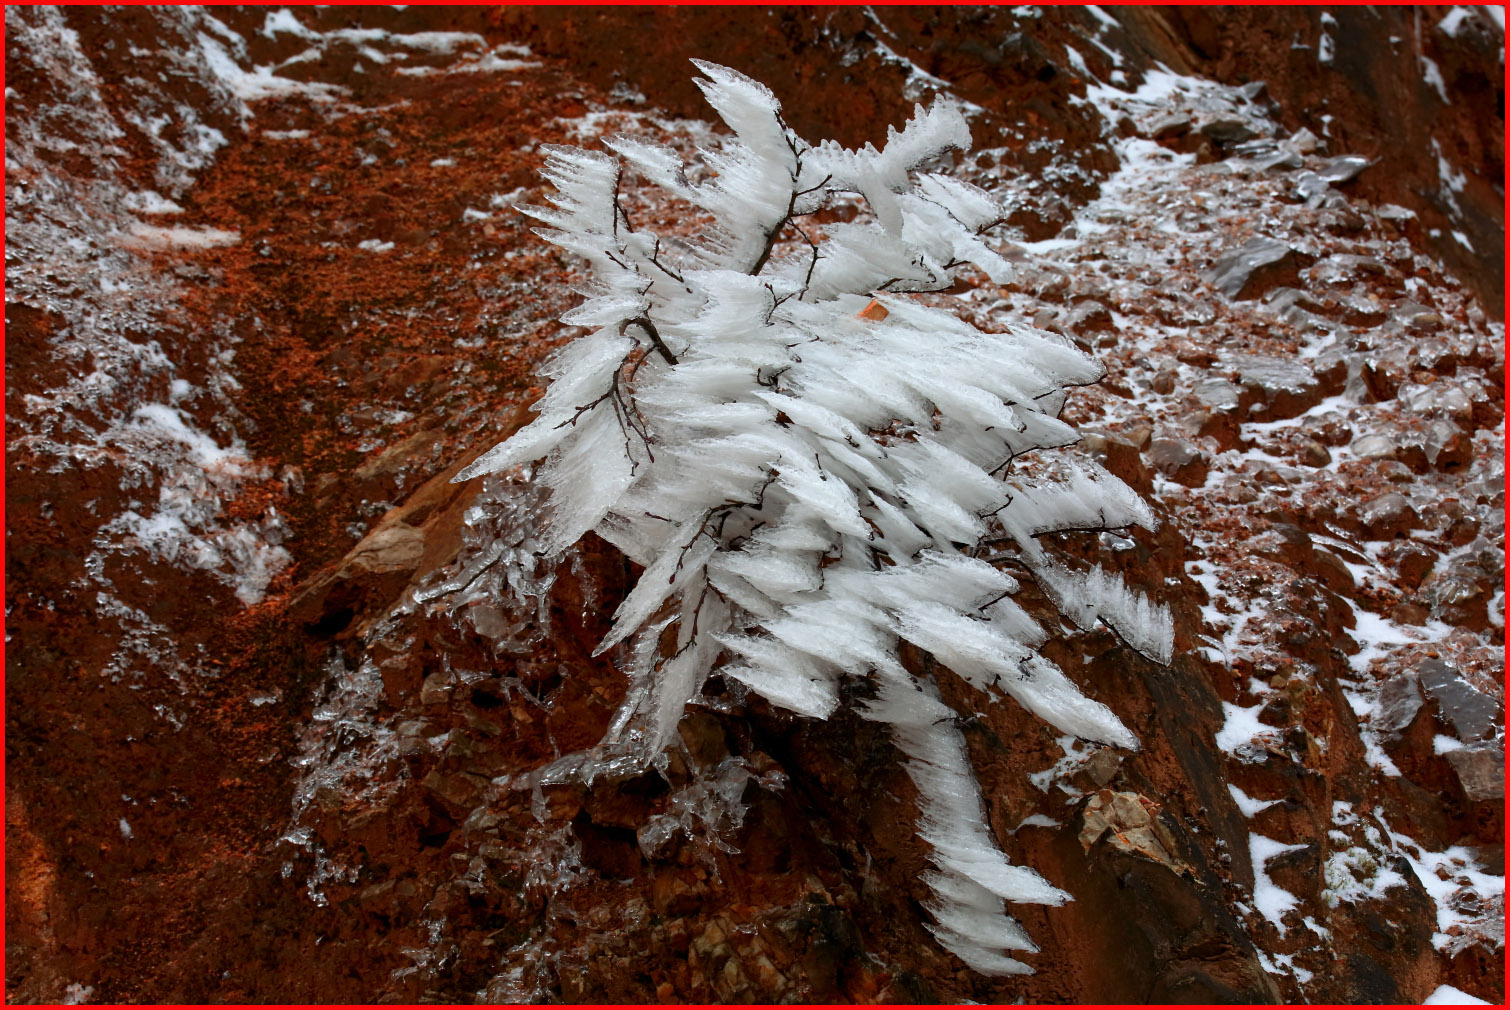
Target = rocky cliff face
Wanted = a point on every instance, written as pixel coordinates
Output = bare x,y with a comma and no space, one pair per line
277,690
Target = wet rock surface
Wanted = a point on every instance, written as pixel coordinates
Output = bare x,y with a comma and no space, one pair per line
279,695
1256,266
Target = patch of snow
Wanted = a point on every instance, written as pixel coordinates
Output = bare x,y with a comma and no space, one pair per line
76,994
1453,180
259,83
283,20
442,42
1247,804
491,62
1326,48
148,236
1360,871
1442,744
1445,995
1453,22
506,201
1055,773
1287,961
1107,21
1241,726
150,201
1444,873
163,421
1037,821
1432,74
1269,899
1077,62
1376,635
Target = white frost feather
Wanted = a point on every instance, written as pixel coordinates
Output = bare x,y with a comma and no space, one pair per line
808,484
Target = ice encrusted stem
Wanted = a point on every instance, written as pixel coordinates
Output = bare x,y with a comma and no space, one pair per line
809,465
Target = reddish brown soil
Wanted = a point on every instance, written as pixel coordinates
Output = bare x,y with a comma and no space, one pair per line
204,901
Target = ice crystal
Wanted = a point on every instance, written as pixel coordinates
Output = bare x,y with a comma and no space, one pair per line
812,463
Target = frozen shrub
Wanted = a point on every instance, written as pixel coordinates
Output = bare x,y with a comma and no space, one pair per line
814,466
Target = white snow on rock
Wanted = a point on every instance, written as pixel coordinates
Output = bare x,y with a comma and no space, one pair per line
1270,900
177,472
1247,804
1447,995
146,236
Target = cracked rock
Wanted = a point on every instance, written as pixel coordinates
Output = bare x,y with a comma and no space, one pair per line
1255,267
1481,770
1284,388
1471,712
1178,460
1388,516
1130,823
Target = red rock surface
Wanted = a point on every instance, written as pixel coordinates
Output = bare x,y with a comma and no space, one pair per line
256,754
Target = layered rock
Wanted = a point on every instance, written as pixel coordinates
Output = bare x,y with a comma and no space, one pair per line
279,694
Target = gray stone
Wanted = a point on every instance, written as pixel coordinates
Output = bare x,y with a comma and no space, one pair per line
1217,394
1097,770
1178,460
1170,126
1228,130
1481,770
1255,91
1374,446
436,689
1417,317
1285,388
1304,141
1312,453
1399,701
1256,148
1343,168
1472,713
1388,516
1282,160
1310,188
1256,266
1341,267
1283,299
395,547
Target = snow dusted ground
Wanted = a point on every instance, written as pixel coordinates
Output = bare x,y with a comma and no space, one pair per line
1327,442
150,408
1142,249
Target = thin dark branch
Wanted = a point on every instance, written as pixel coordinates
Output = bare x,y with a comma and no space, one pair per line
655,336
807,280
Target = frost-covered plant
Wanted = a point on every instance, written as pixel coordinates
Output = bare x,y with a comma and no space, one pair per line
814,467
